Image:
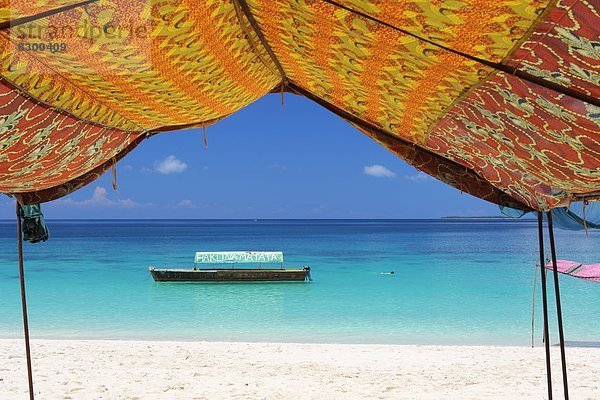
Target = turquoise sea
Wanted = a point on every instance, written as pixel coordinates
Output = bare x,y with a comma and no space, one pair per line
455,282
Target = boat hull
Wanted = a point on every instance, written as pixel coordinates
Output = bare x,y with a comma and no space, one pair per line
228,275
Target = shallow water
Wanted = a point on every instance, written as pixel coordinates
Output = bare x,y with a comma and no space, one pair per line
455,282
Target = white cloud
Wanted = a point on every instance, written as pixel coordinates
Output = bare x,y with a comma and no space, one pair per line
418,177
285,209
378,171
100,199
170,165
185,203
7,201
317,210
191,205
278,167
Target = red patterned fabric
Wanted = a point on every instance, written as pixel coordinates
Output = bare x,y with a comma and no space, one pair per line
535,144
44,149
447,171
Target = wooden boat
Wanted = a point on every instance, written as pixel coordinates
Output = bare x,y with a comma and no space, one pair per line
231,273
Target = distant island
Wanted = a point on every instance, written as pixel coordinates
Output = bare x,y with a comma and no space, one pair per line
478,217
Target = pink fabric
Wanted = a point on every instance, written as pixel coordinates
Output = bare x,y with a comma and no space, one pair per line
589,272
563,265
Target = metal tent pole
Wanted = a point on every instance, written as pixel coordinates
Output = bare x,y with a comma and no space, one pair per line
545,304
533,306
558,308
24,302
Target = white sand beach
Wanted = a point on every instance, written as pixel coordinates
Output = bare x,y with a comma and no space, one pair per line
95,369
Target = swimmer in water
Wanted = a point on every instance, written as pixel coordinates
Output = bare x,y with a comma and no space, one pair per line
387,273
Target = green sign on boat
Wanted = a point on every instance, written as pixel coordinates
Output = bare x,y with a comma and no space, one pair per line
231,257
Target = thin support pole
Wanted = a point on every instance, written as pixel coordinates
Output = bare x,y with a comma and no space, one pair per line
24,302
533,305
545,304
558,308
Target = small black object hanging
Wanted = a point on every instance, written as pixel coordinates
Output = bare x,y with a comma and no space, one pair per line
34,226
114,174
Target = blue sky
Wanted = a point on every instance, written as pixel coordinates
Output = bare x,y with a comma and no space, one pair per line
265,162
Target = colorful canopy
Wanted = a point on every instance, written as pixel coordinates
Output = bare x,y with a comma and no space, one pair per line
497,98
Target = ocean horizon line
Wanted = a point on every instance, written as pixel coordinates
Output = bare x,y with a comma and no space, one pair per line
452,217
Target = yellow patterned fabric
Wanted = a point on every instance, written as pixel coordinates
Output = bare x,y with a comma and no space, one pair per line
11,9
498,98
487,29
388,78
165,63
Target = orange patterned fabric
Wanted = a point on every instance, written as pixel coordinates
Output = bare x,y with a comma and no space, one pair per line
424,79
